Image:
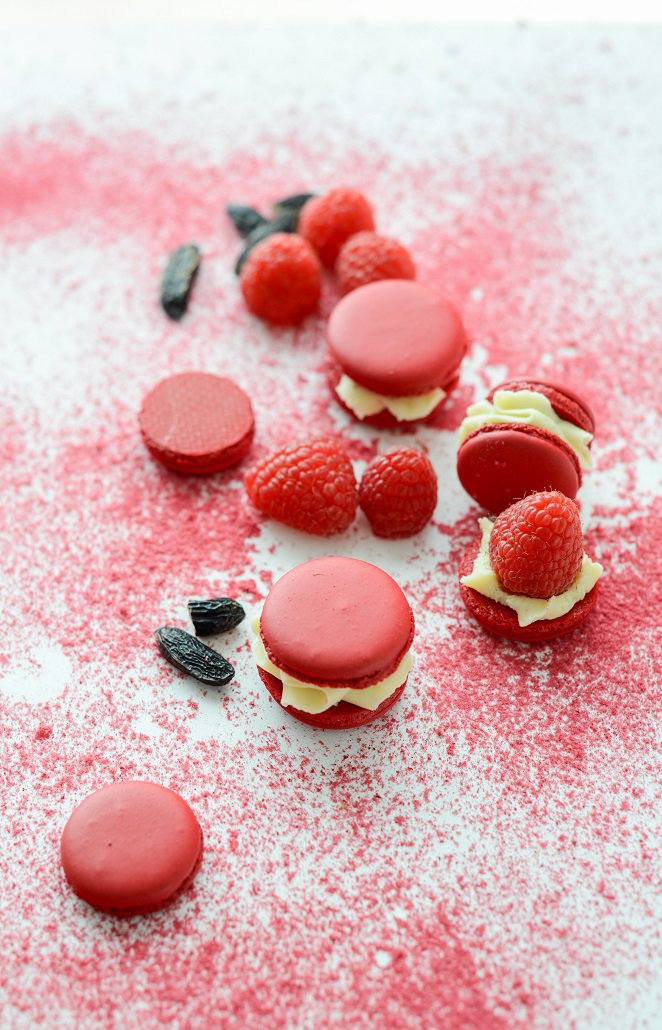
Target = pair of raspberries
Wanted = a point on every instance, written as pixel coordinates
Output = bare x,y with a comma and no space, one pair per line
311,486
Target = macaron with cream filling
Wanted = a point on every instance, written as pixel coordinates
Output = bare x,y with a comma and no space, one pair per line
527,436
527,576
395,347
333,642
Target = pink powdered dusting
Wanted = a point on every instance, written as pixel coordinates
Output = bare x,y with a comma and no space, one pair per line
483,857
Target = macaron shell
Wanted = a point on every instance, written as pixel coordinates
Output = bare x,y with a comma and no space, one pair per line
396,337
566,404
196,422
386,419
502,621
131,847
499,464
337,622
343,716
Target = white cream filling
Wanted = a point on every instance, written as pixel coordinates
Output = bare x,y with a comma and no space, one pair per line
365,402
307,697
526,407
529,609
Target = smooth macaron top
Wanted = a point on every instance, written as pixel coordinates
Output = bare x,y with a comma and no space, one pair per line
130,847
337,620
499,464
567,404
396,338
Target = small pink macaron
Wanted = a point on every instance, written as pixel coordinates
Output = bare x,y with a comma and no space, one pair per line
131,847
197,422
398,339
337,623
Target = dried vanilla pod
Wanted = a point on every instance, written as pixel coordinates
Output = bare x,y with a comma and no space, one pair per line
217,615
189,655
178,279
293,203
245,218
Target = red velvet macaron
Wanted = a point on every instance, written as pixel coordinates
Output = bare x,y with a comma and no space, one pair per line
498,464
196,422
131,847
395,338
503,622
336,623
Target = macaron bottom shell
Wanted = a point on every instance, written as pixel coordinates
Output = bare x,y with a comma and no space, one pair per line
197,422
131,847
343,716
205,465
503,622
567,404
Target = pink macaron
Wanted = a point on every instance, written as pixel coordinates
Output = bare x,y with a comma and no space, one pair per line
338,624
501,462
401,342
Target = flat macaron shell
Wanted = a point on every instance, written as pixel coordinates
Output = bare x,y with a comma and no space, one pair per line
566,404
131,847
196,422
337,621
396,338
498,465
343,716
502,621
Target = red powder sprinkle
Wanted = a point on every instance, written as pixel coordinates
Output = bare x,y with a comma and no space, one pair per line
484,856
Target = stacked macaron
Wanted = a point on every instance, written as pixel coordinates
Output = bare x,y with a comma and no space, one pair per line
395,348
521,455
526,436
333,642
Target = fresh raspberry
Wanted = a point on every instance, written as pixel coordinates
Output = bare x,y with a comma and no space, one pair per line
367,257
398,493
536,545
327,221
308,486
281,279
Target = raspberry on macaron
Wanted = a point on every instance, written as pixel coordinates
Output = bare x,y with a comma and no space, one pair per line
327,221
528,578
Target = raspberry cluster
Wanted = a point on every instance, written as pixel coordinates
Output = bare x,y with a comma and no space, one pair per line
280,264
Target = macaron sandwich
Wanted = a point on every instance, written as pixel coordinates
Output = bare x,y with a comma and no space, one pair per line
332,645
395,348
526,436
527,576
